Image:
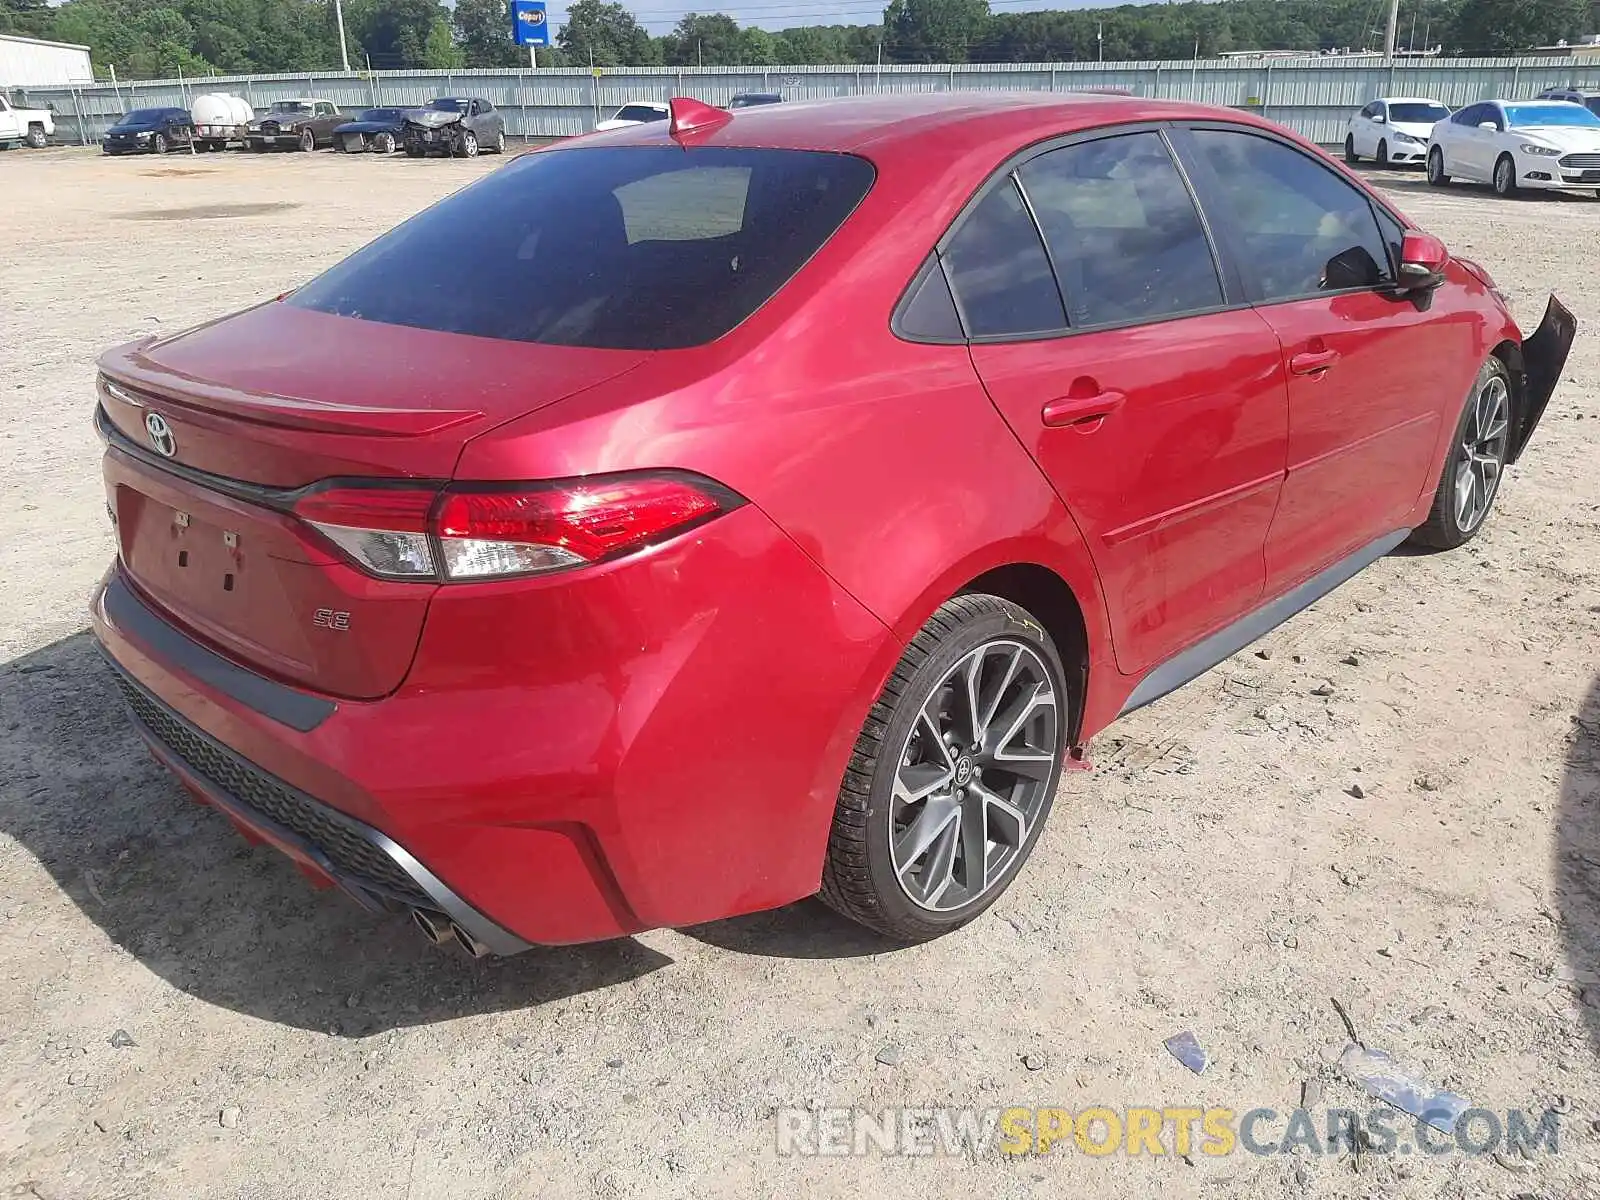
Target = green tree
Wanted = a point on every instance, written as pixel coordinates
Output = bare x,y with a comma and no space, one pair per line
483,31
931,31
1506,26
610,33
709,39
760,48
31,18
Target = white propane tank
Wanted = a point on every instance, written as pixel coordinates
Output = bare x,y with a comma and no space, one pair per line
243,114
213,109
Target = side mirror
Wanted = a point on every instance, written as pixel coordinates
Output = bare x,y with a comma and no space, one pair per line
1423,259
1377,119
1489,125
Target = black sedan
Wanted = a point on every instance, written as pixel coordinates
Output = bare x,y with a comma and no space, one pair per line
377,129
149,131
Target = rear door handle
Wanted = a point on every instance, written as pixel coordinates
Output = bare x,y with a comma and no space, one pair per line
1313,361
1073,410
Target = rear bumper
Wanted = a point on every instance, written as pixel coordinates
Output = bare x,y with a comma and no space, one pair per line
655,742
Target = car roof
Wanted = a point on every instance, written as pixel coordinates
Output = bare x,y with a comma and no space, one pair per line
1410,100
662,104
857,123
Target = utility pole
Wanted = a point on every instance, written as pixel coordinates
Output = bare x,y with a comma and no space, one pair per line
1100,38
1391,28
338,15
1411,45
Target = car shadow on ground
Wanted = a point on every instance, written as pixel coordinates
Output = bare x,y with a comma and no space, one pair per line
170,882
1577,865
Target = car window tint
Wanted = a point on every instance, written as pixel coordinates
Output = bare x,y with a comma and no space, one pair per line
674,206
638,247
930,310
999,272
1122,231
1303,228
1468,115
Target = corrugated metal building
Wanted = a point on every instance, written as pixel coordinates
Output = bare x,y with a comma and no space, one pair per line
29,62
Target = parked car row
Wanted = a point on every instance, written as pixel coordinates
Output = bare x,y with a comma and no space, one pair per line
460,126
1548,143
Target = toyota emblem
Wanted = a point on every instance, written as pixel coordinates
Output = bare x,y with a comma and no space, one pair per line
160,435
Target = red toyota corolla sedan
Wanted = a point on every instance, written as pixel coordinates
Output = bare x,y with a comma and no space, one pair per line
689,519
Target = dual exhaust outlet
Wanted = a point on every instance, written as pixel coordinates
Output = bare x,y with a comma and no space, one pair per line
441,931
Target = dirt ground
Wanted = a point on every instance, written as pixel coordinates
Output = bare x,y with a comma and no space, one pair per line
180,1015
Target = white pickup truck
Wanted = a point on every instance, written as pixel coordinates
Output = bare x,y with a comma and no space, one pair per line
31,125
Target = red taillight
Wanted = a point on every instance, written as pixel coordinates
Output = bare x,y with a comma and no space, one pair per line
493,531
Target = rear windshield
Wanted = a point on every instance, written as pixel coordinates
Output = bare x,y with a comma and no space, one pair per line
637,247
640,112
1418,114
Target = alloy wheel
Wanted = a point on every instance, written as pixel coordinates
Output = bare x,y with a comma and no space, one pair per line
1505,177
1480,459
973,776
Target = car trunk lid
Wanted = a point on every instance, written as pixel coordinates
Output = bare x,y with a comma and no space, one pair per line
212,435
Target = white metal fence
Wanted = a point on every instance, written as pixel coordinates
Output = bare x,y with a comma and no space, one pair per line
1313,96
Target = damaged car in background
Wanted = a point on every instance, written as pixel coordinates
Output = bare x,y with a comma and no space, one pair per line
459,126
377,130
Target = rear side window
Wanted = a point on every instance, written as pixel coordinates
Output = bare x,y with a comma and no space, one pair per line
998,269
1303,228
640,248
1122,231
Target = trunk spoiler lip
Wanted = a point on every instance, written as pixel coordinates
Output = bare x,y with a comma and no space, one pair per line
1544,355
138,380
278,499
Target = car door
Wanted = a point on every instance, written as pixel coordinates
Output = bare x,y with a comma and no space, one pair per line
1478,146
1372,128
1152,400
324,119
1363,382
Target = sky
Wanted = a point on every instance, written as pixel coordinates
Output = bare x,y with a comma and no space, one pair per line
659,16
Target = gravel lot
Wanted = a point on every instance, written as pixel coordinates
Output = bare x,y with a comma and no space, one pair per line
182,1016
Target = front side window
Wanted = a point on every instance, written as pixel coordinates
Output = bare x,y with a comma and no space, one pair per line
1304,229
999,272
1371,110
1470,115
640,248
1122,231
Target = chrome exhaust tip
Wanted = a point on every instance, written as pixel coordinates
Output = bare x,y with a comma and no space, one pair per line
435,927
467,942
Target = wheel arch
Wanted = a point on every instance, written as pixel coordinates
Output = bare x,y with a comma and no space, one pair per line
1053,603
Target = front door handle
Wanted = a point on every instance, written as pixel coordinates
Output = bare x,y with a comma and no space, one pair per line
1313,362
1074,410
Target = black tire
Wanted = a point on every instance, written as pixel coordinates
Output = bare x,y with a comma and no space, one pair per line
1443,530
308,141
858,876
1505,177
1383,153
1436,175
1350,155
467,144
36,137
158,144
383,143
498,146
